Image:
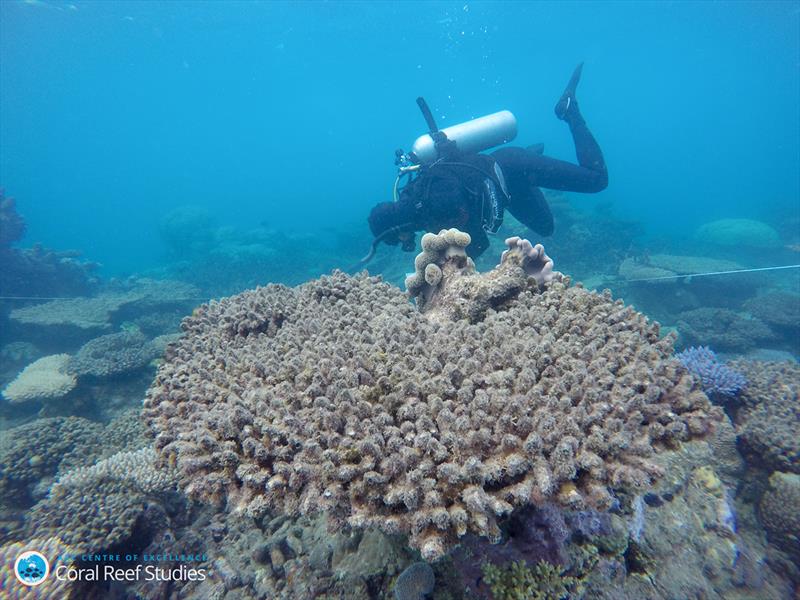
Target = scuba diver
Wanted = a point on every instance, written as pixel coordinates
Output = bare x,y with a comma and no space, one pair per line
450,184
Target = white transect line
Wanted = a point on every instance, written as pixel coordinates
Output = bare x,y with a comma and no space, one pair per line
688,275
81,298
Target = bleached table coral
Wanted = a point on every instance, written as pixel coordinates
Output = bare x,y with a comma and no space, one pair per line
44,379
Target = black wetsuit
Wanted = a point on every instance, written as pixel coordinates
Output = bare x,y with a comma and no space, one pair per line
450,193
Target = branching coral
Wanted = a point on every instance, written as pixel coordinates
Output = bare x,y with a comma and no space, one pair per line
517,581
717,379
339,396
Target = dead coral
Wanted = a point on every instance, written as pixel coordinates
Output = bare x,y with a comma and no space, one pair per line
338,396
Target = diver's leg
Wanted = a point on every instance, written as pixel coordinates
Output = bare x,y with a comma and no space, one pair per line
586,147
533,211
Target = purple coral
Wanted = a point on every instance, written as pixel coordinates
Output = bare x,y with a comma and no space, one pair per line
716,378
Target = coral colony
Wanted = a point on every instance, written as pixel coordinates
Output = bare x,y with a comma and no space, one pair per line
715,378
501,389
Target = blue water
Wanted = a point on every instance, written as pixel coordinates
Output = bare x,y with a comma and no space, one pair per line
114,113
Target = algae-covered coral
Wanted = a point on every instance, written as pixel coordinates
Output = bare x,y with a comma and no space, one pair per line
517,581
339,396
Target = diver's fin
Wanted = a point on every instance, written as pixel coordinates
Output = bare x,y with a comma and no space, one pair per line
536,148
568,97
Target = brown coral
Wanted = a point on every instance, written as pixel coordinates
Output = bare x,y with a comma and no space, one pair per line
767,423
780,512
338,396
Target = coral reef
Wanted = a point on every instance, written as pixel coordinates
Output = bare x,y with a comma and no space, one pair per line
113,354
532,535
12,227
780,512
415,583
423,427
188,230
517,581
82,313
44,379
719,381
724,329
37,271
93,508
118,302
739,233
57,554
136,467
32,452
18,352
768,425
781,312
631,269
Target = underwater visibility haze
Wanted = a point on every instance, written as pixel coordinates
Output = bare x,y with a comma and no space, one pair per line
566,367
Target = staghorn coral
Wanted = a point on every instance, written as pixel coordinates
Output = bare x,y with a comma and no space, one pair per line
338,396
517,581
780,512
44,379
718,380
113,354
768,423
57,553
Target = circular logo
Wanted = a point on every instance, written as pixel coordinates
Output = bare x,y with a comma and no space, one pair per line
31,568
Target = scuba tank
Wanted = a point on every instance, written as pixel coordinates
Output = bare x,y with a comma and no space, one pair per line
469,137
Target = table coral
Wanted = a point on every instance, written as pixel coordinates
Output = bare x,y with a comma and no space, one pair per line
339,396
44,379
113,354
